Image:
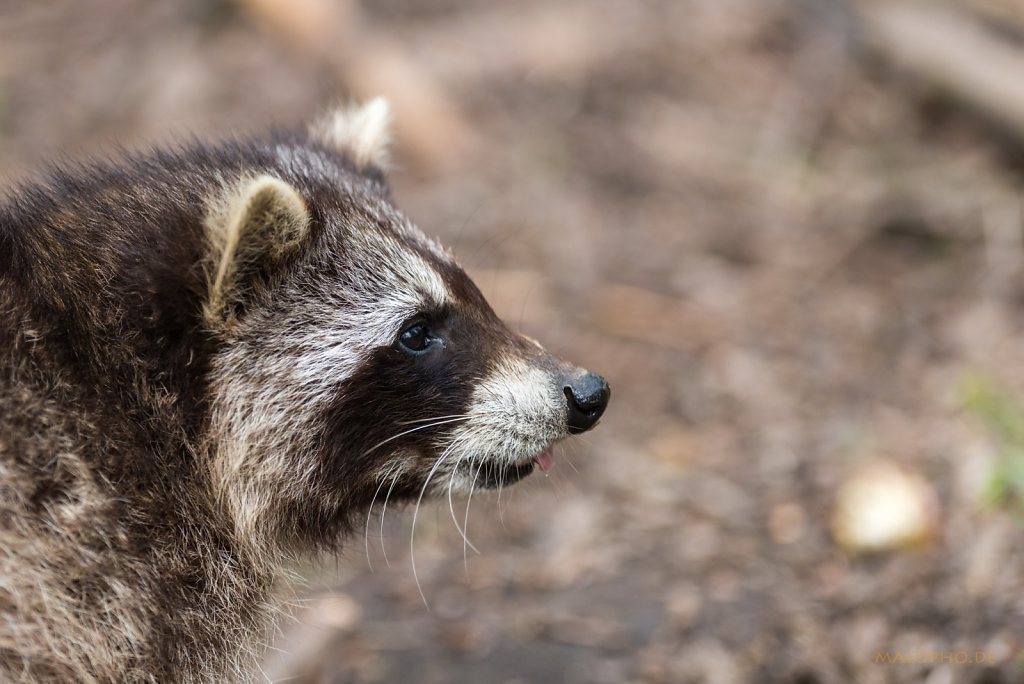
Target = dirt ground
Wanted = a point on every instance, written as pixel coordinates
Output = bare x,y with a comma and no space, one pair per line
786,259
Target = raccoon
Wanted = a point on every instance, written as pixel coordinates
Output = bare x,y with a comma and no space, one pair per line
212,360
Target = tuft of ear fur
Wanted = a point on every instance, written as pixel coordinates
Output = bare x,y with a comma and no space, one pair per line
362,132
252,230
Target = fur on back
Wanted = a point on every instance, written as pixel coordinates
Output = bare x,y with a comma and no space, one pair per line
112,556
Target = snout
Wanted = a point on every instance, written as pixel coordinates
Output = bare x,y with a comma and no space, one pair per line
586,396
514,419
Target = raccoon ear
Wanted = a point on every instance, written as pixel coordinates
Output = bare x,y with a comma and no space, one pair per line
252,232
361,132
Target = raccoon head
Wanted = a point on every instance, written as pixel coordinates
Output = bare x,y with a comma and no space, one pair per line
355,354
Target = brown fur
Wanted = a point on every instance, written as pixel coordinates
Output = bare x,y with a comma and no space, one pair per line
201,361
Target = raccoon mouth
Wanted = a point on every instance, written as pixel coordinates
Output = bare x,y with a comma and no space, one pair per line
491,475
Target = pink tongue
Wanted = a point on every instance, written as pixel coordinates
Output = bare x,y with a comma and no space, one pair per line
545,461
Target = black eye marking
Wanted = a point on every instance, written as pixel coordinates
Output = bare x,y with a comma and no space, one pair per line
415,337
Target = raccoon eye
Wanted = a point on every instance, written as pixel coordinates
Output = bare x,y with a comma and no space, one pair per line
415,338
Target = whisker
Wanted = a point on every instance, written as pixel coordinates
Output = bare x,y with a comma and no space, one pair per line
572,465
558,486
465,520
369,512
451,507
583,441
501,513
427,420
383,510
420,427
416,512
501,488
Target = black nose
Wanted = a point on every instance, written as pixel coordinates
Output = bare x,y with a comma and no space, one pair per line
586,397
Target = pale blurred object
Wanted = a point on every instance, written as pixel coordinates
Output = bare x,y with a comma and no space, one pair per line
882,508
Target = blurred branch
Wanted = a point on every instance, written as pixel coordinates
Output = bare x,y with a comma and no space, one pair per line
946,49
1003,12
334,33
942,47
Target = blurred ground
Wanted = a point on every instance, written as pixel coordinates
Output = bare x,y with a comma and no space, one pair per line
785,258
